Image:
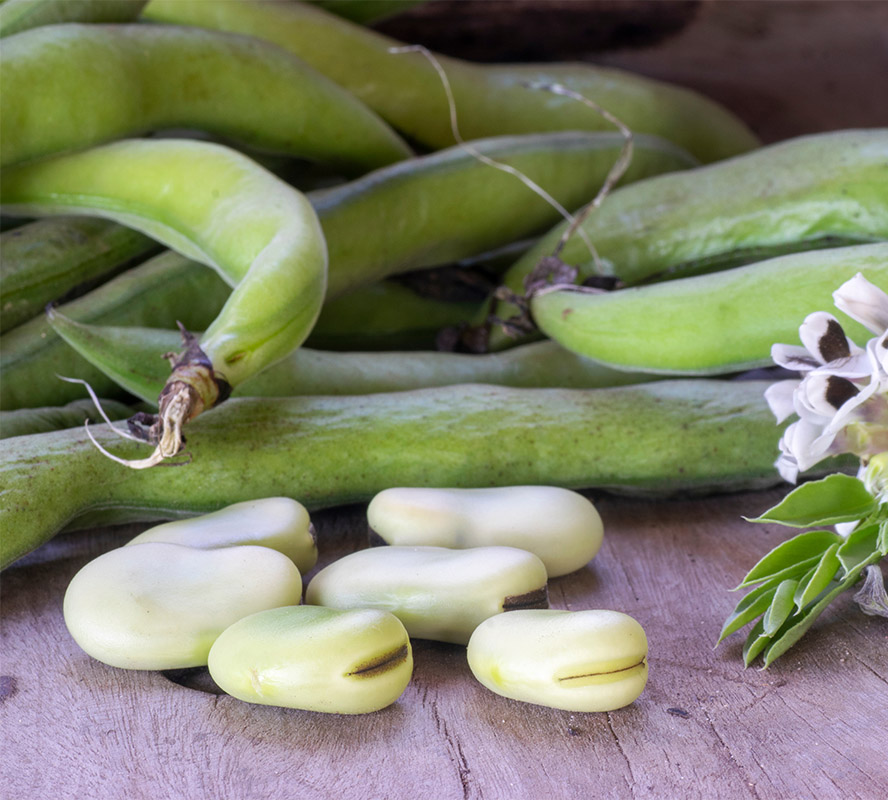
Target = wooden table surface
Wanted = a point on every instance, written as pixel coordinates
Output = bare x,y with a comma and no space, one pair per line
812,726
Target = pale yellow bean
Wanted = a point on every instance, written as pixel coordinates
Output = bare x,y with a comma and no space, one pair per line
161,606
573,660
559,526
316,659
436,592
276,522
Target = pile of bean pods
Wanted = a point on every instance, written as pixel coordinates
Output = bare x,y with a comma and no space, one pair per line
196,188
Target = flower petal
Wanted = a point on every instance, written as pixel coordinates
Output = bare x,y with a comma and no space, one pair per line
823,336
864,302
779,397
791,356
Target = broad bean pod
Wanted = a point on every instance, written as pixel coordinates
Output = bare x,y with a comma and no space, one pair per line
658,438
215,206
162,291
22,15
449,205
801,194
130,358
153,78
708,324
25,421
490,100
46,259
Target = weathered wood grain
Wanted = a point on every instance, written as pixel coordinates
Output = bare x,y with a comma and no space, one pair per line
811,726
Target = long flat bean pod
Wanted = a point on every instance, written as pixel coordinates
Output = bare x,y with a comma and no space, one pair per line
162,291
129,356
491,100
215,206
449,205
67,87
708,324
664,437
46,259
21,15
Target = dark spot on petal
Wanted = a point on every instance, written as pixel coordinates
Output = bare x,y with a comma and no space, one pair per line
839,391
833,345
7,687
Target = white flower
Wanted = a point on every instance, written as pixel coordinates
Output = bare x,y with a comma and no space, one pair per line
841,399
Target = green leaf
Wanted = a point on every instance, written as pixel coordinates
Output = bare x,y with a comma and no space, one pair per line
818,578
753,604
882,541
755,643
781,606
790,558
858,547
836,498
798,625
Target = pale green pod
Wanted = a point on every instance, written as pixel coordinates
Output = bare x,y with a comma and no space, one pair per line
161,606
315,659
276,522
708,324
22,15
436,592
561,527
69,87
573,660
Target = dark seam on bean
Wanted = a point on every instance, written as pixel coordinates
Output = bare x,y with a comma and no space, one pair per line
382,664
538,598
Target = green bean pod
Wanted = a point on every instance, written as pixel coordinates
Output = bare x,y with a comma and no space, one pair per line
449,205
491,100
22,15
708,324
46,259
131,358
664,437
802,194
162,291
215,206
25,421
153,78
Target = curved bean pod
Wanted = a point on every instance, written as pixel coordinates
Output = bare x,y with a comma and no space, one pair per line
163,77
162,291
801,194
218,207
708,324
449,205
490,100
664,437
21,15
43,260
130,358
